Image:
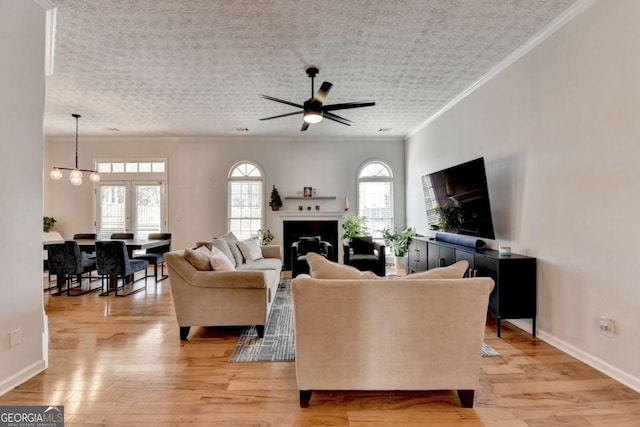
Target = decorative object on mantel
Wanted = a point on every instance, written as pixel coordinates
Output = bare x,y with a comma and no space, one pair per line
76,174
48,222
308,192
276,201
346,203
354,226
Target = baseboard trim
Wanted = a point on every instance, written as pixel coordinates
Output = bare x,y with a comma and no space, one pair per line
22,376
595,362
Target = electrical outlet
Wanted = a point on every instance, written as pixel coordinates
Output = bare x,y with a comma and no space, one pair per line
606,326
15,338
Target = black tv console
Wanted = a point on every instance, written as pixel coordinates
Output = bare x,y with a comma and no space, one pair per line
514,294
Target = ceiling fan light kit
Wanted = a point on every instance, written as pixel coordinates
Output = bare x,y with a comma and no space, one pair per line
313,109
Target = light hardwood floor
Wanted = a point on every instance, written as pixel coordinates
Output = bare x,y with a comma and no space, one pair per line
119,362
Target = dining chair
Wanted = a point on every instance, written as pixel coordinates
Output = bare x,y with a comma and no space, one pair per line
155,255
123,236
114,265
86,236
66,261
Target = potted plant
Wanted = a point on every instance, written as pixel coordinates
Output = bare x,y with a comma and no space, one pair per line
48,223
354,226
264,236
399,242
276,201
450,217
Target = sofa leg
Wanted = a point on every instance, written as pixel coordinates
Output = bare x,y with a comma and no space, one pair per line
305,397
260,330
184,332
466,398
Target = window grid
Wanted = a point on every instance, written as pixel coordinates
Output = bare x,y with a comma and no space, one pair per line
375,197
131,167
245,200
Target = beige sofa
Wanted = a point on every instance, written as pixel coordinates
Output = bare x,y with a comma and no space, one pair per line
224,298
389,334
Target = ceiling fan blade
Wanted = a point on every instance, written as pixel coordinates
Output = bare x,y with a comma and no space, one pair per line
322,93
282,101
305,126
283,115
336,118
348,105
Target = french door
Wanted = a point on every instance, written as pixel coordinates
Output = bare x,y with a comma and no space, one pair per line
136,207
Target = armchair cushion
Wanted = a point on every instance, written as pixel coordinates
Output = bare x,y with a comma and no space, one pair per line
322,268
362,245
309,244
198,258
250,250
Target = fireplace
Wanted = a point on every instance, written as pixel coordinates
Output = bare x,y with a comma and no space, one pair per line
293,230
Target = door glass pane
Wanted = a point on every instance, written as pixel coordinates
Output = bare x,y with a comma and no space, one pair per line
148,210
112,210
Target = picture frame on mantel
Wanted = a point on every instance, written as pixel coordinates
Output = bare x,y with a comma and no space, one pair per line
308,192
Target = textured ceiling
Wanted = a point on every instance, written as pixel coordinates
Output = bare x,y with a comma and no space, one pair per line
196,68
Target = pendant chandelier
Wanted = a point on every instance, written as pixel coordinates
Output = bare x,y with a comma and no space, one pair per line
76,174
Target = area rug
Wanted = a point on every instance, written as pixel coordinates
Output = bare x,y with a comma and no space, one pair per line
278,344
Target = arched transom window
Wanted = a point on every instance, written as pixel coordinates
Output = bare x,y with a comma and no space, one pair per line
244,206
375,196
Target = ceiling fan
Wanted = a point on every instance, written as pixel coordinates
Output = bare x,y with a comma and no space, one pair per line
313,109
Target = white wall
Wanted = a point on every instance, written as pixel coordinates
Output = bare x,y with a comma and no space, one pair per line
560,133
21,112
198,170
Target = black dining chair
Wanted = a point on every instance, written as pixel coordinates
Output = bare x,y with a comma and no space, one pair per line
123,236
155,255
66,261
114,265
86,236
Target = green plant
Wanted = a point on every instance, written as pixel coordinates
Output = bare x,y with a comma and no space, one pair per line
264,236
354,226
398,240
48,223
450,217
276,201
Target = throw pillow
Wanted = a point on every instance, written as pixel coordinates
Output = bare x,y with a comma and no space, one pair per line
220,244
199,258
362,245
453,271
220,262
322,268
250,250
232,242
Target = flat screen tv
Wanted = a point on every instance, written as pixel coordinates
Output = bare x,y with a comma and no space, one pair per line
457,200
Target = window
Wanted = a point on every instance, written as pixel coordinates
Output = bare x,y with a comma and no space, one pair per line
245,206
131,197
375,196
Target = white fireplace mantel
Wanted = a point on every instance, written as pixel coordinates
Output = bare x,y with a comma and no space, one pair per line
311,215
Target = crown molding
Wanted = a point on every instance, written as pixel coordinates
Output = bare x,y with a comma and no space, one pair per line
553,26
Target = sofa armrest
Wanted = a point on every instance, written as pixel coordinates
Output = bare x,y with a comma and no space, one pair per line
271,251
